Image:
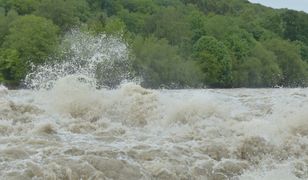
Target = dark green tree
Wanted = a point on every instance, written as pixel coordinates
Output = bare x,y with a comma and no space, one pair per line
215,61
134,21
295,26
12,69
158,63
63,13
170,23
259,69
294,70
21,6
34,38
5,21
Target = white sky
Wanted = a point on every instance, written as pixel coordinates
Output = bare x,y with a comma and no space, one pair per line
300,5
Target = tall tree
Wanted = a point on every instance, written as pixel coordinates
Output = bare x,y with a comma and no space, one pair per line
215,61
33,37
158,63
294,70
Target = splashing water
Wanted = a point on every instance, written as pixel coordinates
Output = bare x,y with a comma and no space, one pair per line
100,59
75,131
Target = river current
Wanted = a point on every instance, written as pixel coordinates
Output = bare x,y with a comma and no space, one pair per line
75,132
68,124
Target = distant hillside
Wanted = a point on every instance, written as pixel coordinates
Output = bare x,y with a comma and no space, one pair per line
174,43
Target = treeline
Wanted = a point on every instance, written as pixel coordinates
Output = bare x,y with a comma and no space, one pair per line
175,43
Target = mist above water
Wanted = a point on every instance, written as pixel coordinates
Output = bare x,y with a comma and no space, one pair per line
67,128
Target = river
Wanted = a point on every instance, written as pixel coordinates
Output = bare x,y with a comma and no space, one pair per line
63,127
73,131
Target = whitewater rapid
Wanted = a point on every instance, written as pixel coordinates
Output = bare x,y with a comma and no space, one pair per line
71,125
74,132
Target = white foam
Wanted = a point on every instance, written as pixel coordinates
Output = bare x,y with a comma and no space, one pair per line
69,129
3,90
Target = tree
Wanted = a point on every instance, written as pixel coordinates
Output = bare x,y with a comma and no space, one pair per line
112,7
141,6
233,43
12,69
303,48
294,70
5,22
270,71
170,23
259,69
215,60
295,26
134,21
219,6
249,74
115,26
21,6
273,22
33,37
197,25
240,45
158,63
63,13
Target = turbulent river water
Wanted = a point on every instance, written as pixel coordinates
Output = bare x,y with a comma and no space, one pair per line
74,132
64,128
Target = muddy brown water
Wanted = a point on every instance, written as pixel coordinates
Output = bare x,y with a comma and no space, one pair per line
75,132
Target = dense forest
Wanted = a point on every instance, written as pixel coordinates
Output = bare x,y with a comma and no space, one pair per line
174,43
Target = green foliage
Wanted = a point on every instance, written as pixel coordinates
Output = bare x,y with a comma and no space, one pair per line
215,61
159,64
290,62
197,25
270,70
177,43
259,69
219,6
12,69
115,26
97,22
240,45
295,26
303,48
33,37
111,6
142,6
160,25
134,22
21,6
2,11
65,14
250,73
274,23
5,22
60,12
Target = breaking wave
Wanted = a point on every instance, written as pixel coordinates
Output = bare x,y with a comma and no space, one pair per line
67,128
98,59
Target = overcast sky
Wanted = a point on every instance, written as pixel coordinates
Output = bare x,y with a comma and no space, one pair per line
300,5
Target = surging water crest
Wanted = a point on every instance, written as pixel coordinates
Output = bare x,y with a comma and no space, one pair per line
70,129
96,59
